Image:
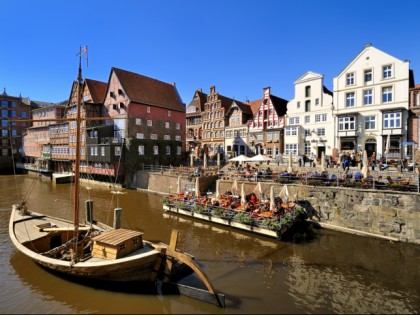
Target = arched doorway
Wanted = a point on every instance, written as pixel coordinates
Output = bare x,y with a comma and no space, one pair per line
370,146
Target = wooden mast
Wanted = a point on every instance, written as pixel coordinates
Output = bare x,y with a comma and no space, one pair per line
77,158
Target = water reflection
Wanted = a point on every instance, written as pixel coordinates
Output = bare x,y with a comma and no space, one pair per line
331,273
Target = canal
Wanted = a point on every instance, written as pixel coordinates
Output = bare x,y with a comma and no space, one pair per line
317,271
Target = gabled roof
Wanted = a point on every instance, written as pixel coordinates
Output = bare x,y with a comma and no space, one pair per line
144,90
245,108
279,105
255,105
97,90
198,101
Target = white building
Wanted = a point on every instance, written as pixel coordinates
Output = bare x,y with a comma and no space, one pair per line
371,99
236,132
309,121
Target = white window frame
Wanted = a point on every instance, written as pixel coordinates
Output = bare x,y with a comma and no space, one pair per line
387,94
141,149
387,71
368,97
350,99
392,120
370,122
347,123
350,78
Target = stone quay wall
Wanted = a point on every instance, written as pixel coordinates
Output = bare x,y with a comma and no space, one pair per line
391,215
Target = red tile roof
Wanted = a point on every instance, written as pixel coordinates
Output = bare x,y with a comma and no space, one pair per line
144,90
97,90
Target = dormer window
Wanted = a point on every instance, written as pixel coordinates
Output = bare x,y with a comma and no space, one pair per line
111,94
120,92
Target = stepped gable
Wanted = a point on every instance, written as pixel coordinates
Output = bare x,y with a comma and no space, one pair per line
144,90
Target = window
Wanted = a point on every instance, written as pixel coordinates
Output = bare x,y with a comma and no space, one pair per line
166,137
367,97
139,135
148,110
93,151
149,123
141,149
320,132
23,114
307,148
368,76
169,113
153,136
102,151
178,150
168,150
392,120
320,117
307,106
112,94
386,94
316,101
178,126
138,121
307,119
117,151
14,133
167,125
307,132
291,131
350,78
308,91
387,71
178,138
291,148
298,105
294,120
346,123
370,122
350,99
155,150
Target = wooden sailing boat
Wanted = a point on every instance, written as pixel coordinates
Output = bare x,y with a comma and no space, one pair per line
95,251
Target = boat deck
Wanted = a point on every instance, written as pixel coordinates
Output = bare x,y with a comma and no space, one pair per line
30,227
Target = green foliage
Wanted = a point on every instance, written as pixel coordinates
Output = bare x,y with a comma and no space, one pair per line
271,224
198,208
165,201
245,218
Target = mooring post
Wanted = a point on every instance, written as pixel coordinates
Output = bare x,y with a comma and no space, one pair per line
89,210
117,218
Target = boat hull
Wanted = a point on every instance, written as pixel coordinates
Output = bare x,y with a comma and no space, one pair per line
140,265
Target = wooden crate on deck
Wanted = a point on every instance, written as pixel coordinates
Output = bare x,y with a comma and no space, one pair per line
116,243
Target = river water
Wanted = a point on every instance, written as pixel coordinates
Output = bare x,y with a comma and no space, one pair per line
319,272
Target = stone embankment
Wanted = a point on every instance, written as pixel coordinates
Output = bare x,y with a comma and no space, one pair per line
392,215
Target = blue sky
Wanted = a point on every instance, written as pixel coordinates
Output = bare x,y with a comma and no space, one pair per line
238,46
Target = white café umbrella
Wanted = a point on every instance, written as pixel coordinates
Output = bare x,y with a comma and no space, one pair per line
387,147
240,158
235,187
217,189
323,161
258,189
191,159
179,184
365,164
284,193
218,159
260,158
197,187
272,204
289,168
205,161
243,201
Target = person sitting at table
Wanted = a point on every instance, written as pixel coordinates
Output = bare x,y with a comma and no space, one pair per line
268,172
379,182
253,199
